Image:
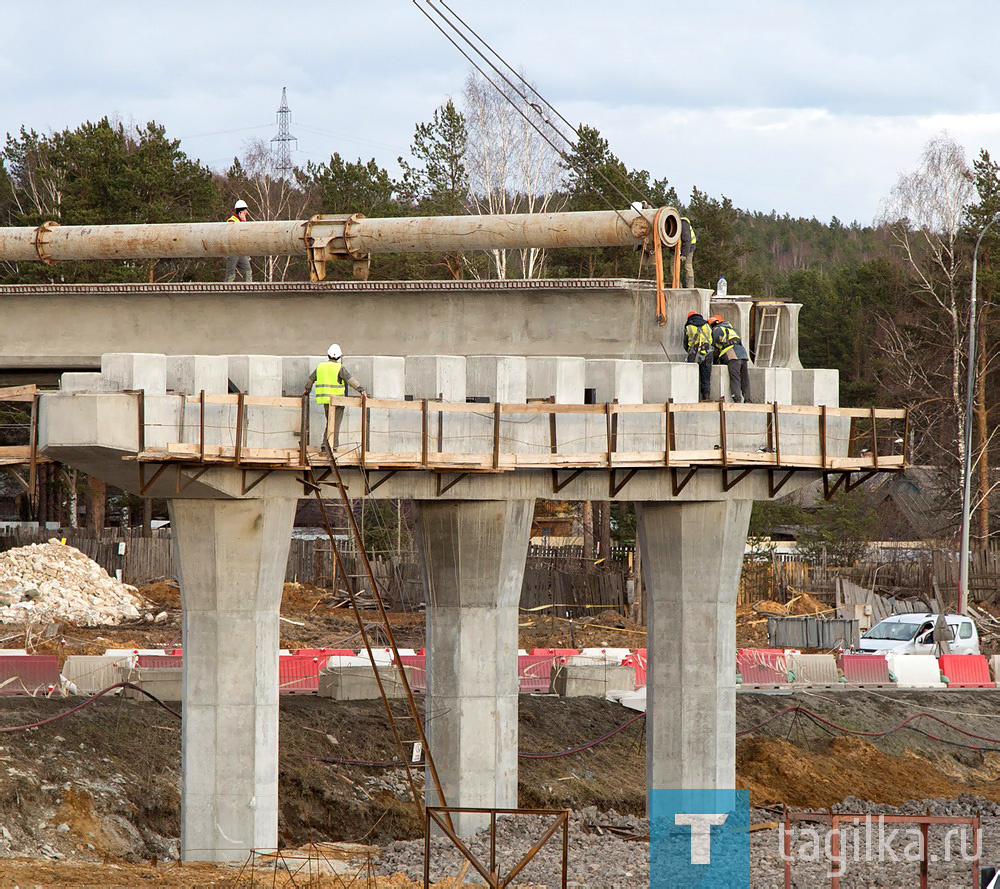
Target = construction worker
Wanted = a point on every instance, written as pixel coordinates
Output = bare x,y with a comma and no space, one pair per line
698,345
729,350
688,241
332,378
242,263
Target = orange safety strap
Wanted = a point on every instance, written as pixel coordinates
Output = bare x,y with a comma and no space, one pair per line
677,265
661,296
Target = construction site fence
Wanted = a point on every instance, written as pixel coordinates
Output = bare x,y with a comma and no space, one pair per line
930,574
560,580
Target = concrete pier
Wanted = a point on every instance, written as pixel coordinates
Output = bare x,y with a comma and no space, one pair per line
232,556
692,555
473,560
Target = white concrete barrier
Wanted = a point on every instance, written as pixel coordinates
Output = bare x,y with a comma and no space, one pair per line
813,669
915,670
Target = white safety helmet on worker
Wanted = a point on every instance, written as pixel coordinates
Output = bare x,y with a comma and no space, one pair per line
240,205
334,352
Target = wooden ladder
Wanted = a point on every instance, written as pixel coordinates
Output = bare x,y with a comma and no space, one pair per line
767,334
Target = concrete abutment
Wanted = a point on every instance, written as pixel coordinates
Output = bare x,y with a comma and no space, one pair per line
231,556
473,556
692,556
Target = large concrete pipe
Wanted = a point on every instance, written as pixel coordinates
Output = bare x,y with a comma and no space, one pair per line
329,237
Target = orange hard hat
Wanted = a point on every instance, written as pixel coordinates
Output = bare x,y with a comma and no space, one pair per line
693,313
715,319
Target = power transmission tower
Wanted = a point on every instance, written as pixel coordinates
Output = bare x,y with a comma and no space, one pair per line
280,144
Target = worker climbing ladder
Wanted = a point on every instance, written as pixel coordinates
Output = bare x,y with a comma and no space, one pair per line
767,333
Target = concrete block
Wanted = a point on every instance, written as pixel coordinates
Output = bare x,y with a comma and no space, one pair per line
615,379
436,376
86,382
769,384
136,370
564,378
358,683
816,387
596,679
813,669
295,370
164,682
915,670
720,383
191,374
256,374
383,376
502,378
666,380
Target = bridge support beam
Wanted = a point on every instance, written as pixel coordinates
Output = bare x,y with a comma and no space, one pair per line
473,560
231,556
692,556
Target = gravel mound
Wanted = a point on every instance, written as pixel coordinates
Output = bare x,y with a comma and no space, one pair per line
53,582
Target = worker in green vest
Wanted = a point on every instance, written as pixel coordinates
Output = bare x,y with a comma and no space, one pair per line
729,350
332,379
698,345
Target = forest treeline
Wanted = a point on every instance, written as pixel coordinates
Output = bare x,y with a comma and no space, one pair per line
886,303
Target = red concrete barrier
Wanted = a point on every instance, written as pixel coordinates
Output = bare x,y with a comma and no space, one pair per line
418,671
535,672
966,670
298,675
638,660
160,660
28,674
865,669
762,666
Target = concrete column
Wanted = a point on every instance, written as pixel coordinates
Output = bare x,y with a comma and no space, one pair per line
473,560
231,556
692,554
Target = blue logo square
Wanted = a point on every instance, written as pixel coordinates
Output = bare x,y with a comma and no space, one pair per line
697,838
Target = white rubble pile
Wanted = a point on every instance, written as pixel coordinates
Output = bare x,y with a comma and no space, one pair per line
53,582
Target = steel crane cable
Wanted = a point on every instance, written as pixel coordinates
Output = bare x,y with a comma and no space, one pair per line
533,89
593,167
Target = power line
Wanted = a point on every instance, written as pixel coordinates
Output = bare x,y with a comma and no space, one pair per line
525,98
281,151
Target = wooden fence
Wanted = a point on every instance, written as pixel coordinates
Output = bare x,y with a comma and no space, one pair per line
552,577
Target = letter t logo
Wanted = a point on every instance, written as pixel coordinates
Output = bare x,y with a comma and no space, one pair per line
701,834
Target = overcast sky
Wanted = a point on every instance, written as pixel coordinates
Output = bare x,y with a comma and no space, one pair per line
810,108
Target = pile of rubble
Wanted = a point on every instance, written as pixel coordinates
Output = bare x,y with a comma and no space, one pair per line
53,582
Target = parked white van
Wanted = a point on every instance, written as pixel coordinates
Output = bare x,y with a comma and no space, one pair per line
914,634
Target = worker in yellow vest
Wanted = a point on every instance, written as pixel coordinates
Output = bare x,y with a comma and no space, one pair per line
240,211
698,345
332,378
729,350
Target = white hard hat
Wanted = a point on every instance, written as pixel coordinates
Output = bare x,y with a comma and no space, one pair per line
240,205
334,352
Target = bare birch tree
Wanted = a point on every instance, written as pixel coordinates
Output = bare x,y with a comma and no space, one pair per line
926,341
512,169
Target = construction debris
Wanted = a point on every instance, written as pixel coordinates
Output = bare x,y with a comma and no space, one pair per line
53,582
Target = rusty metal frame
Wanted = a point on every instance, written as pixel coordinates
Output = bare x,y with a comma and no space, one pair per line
836,820
144,484
864,476
558,485
442,489
773,488
680,486
246,489
181,488
440,816
728,484
388,475
828,490
615,486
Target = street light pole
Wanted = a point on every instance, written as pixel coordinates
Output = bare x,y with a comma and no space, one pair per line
970,389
